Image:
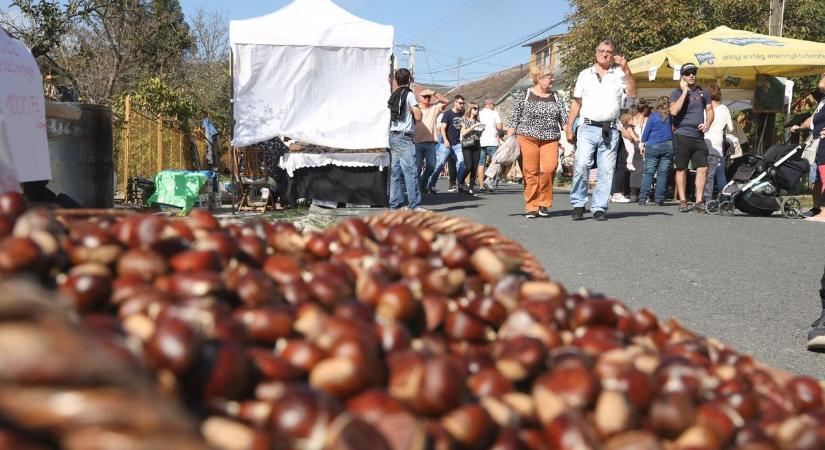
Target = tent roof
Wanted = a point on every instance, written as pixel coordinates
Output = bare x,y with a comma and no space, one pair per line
319,23
735,55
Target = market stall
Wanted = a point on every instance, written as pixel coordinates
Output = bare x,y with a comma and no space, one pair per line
317,74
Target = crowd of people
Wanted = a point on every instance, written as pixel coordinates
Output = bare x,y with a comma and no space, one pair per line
638,154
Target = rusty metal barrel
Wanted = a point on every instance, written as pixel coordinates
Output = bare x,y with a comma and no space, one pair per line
80,150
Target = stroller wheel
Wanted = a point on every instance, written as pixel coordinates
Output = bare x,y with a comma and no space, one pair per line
726,208
792,208
712,207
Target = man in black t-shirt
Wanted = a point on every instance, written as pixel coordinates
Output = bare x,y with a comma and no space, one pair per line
692,114
450,131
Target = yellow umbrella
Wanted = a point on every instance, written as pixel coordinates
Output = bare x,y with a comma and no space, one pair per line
731,57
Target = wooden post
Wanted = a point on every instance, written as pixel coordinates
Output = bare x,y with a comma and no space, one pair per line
180,150
160,142
127,120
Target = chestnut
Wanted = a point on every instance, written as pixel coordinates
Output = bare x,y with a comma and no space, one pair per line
614,414
266,325
256,289
574,384
13,204
87,292
143,264
196,261
470,426
671,414
300,412
429,385
300,353
396,302
634,440
283,269
19,254
806,393
568,431
174,346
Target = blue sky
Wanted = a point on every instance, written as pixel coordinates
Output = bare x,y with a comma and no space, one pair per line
447,29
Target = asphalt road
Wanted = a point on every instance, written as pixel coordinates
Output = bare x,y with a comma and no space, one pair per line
751,282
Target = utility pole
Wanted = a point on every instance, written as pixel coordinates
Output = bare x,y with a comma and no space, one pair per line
768,120
776,17
458,72
411,48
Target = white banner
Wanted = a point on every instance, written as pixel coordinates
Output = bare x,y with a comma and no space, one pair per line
23,139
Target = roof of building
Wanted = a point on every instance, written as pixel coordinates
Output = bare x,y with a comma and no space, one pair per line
543,40
495,86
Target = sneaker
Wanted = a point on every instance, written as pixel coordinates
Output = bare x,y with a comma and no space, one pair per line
660,203
816,336
642,202
685,207
601,216
699,208
811,212
488,185
578,213
531,214
419,209
452,188
471,192
619,198
544,211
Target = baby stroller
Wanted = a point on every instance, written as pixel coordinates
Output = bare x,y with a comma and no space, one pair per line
757,180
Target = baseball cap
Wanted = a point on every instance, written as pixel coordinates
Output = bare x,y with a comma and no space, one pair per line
688,68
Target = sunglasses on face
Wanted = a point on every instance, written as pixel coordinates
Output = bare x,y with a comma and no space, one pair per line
689,74
475,107
460,104
426,96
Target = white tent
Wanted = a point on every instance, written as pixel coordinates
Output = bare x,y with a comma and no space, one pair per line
314,72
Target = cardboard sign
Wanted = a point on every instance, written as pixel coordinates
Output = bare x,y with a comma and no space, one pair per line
22,112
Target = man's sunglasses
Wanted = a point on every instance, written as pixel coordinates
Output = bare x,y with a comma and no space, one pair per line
426,96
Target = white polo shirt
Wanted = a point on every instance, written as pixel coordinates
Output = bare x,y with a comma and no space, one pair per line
601,98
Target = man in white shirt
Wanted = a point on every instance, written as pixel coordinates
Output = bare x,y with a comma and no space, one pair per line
489,137
597,98
404,112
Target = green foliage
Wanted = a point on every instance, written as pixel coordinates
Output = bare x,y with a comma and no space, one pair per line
158,96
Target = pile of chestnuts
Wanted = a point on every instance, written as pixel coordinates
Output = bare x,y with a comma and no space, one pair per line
401,331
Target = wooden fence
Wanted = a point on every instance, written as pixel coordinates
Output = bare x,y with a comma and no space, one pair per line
145,144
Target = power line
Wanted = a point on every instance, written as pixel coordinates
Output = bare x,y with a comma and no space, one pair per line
443,20
504,48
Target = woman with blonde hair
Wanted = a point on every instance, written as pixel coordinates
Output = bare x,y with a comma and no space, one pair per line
470,135
657,148
536,118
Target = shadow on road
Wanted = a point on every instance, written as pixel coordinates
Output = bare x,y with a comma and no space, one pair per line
610,215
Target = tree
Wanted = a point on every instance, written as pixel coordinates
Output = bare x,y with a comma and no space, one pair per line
207,75
104,47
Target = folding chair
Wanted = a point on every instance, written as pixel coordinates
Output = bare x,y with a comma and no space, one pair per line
249,173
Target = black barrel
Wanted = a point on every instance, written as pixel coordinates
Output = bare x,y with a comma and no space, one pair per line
80,149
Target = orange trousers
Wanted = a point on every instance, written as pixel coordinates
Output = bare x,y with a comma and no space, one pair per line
540,161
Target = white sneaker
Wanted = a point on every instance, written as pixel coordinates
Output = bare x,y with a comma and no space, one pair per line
419,210
619,198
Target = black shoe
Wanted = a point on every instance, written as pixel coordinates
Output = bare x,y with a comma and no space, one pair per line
531,214
642,202
816,337
600,216
578,213
660,203
544,211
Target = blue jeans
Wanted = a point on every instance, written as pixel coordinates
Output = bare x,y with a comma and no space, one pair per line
403,173
658,160
716,174
485,152
589,142
425,153
443,153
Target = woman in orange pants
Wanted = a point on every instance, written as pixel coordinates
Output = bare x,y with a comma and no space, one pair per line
535,121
